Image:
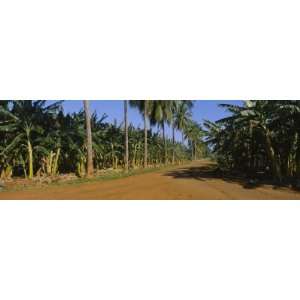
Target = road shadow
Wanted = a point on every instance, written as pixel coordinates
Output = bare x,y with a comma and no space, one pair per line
211,172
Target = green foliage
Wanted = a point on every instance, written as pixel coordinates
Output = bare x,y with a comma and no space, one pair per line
259,137
39,139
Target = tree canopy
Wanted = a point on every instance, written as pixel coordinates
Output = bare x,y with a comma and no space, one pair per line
38,139
259,136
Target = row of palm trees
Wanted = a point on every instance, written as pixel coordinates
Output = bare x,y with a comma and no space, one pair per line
176,113
38,138
258,138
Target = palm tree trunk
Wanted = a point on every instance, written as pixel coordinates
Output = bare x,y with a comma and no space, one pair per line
134,156
30,160
90,166
145,135
173,158
165,142
126,134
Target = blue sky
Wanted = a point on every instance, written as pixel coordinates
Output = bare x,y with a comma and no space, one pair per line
203,109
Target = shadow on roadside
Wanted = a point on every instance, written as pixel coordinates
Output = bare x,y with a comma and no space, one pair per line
211,172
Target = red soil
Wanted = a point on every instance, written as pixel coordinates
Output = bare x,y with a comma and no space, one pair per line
194,181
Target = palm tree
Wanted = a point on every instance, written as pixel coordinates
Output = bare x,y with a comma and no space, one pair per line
161,113
194,134
38,139
144,106
146,113
89,141
181,118
126,133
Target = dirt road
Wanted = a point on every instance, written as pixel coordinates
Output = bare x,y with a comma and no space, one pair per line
194,181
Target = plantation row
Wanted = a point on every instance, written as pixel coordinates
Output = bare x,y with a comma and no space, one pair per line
39,139
259,138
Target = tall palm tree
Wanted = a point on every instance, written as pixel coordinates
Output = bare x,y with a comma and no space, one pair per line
161,113
194,134
126,134
174,110
181,118
146,113
144,106
89,141
38,139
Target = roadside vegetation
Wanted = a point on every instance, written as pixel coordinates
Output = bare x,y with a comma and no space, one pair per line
260,139
38,140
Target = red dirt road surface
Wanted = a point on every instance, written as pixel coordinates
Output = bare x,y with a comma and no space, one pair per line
195,181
